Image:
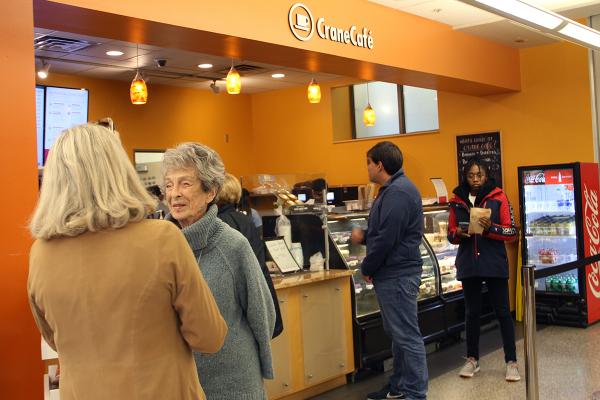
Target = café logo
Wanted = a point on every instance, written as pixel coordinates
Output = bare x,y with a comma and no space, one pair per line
592,225
303,26
535,178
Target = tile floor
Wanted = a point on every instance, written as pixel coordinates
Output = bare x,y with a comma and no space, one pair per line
568,368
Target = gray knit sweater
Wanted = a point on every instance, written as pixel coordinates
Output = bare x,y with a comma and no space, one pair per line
239,288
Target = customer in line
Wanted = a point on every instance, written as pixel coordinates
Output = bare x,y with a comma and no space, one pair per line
193,176
394,265
245,206
118,296
482,258
228,198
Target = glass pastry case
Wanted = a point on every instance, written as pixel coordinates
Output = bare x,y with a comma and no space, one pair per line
436,233
440,298
366,302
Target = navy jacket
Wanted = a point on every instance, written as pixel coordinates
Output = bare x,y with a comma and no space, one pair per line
395,231
482,256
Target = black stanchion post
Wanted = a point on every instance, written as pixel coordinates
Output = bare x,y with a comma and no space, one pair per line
531,376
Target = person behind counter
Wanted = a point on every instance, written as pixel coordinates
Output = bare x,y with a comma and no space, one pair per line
193,176
227,199
245,207
155,191
118,296
483,258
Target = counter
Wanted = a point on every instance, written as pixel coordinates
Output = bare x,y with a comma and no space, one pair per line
305,278
315,350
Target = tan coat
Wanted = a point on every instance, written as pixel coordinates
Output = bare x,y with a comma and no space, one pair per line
124,308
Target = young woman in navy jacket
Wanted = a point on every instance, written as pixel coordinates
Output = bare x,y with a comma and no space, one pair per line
482,258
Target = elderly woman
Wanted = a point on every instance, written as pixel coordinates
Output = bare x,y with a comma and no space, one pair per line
193,176
228,198
118,296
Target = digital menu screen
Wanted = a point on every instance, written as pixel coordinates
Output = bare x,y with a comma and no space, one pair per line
65,108
39,123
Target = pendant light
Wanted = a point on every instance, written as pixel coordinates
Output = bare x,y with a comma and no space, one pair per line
369,113
138,91
314,92
233,81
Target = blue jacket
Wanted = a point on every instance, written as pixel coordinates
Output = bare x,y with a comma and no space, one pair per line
395,231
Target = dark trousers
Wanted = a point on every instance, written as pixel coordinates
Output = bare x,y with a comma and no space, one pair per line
498,292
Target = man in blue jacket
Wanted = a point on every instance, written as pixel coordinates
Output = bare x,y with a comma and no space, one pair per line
394,265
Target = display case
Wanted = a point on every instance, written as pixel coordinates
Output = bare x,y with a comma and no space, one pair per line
436,233
340,229
372,345
559,214
440,299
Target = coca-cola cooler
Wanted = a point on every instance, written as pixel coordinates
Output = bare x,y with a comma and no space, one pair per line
560,223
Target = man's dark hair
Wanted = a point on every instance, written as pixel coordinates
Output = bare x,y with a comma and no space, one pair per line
154,190
475,161
389,154
244,204
319,184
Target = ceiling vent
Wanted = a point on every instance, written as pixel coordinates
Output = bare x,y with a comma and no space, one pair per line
244,69
60,44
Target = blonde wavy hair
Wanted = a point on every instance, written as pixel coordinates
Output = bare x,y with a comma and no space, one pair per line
89,185
231,191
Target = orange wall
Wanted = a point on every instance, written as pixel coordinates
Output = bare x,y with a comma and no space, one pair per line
549,121
172,115
22,369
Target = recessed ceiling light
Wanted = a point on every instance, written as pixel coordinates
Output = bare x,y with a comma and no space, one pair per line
205,66
114,53
277,76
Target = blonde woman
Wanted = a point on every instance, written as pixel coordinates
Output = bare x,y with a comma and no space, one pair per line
118,296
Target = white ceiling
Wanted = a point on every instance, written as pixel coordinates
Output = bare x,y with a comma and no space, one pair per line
181,68
474,21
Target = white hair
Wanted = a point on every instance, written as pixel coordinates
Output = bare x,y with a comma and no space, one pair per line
205,161
89,185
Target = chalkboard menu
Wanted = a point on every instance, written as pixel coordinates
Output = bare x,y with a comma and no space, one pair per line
486,146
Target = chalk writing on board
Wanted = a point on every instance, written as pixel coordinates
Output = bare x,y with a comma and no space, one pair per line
486,146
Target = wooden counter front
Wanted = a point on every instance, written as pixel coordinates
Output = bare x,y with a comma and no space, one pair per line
308,277
315,350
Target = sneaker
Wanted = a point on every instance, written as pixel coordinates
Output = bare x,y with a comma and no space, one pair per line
512,372
385,393
470,368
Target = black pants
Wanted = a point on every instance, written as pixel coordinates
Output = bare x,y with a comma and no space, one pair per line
498,291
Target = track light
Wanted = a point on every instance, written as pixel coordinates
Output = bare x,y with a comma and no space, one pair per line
213,86
44,69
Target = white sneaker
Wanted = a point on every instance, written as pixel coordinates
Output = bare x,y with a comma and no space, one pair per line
470,368
512,372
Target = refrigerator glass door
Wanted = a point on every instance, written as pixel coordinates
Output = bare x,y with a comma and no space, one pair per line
550,227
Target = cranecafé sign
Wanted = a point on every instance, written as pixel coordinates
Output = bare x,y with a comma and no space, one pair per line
303,26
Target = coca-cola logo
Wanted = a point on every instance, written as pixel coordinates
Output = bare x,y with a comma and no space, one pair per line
535,178
590,212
